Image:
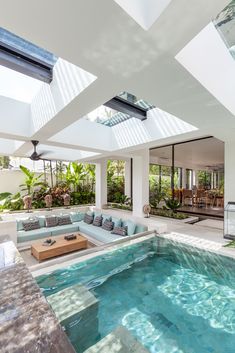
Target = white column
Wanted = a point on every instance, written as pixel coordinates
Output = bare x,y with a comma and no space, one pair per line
183,178
128,178
101,184
195,178
229,172
140,182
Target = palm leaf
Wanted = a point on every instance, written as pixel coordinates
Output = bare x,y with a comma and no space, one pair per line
26,171
4,195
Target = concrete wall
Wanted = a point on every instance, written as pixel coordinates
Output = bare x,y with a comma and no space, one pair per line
11,179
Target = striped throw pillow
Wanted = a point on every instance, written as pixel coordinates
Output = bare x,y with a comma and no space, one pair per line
120,231
98,221
63,220
51,221
108,225
31,224
88,219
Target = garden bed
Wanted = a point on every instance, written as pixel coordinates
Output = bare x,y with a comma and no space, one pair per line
168,213
119,206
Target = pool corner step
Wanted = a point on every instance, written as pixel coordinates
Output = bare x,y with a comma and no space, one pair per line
118,341
77,310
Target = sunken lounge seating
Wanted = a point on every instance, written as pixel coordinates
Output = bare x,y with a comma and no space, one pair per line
76,223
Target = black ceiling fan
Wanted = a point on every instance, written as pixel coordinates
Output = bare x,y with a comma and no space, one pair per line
36,156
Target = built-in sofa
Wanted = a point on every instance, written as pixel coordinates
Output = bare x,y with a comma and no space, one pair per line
77,224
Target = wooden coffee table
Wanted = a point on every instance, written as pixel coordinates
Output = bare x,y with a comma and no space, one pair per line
61,247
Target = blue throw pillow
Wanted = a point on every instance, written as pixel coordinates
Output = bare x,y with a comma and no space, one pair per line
131,226
75,217
41,221
107,217
19,223
97,214
117,222
90,213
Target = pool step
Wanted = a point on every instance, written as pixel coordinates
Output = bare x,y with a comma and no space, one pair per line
77,310
118,341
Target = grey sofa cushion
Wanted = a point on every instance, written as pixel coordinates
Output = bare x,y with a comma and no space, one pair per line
32,235
120,231
65,229
97,233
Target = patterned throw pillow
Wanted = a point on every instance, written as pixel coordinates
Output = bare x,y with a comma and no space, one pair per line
31,224
63,220
88,219
51,221
108,225
120,231
98,221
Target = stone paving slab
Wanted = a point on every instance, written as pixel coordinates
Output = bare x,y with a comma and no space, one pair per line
27,323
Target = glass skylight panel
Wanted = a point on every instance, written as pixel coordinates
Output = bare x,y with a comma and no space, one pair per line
134,100
113,114
145,13
225,25
107,116
21,55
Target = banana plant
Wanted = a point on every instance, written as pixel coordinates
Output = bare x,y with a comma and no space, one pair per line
75,174
31,180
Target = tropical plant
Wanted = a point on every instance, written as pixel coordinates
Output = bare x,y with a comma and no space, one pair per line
31,180
75,174
172,204
39,195
90,175
5,162
115,180
156,195
11,202
121,199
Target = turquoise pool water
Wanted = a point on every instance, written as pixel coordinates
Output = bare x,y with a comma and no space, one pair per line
172,298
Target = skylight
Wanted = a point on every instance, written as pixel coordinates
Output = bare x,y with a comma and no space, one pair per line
225,25
137,101
113,112
107,116
18,54
17,86
145,13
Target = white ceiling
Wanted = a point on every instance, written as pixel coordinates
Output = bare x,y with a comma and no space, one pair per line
15,85
206,153
105,41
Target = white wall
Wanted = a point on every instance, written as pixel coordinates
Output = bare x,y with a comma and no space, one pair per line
11,179
140,182
229,172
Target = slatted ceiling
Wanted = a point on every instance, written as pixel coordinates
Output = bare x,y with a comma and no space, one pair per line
144,104
117,118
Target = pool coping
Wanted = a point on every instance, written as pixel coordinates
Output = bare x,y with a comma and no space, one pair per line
60,262
199,243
